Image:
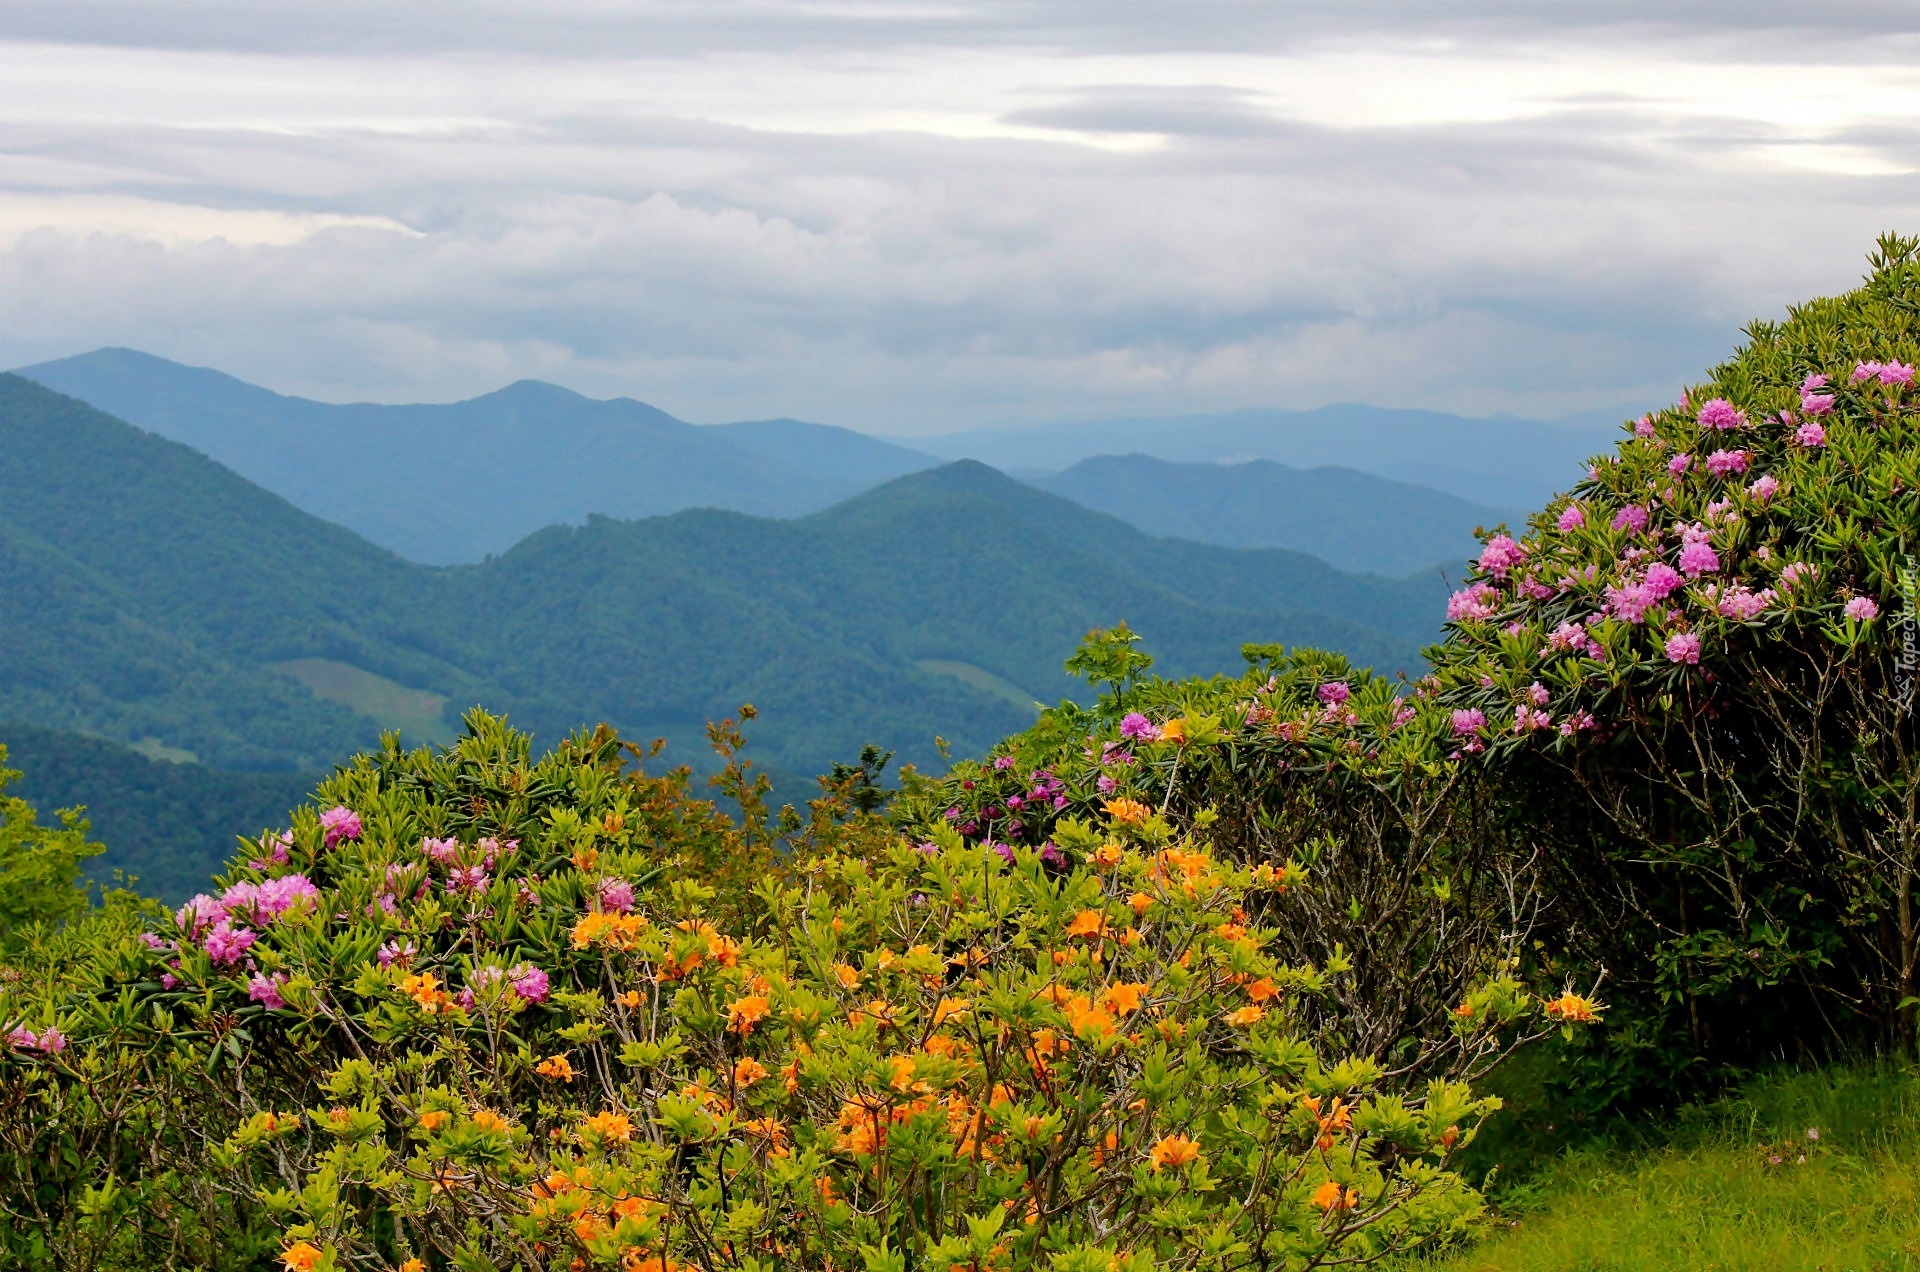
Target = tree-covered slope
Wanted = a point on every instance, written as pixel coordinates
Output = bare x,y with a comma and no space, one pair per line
160,597
454,482
1347,518
171,826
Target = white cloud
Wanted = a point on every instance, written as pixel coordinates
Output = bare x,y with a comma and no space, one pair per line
912,217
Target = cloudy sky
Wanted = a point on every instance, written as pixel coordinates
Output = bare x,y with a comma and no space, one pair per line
910,217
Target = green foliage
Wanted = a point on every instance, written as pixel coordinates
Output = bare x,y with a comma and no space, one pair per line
1696,674
527,1012
39,866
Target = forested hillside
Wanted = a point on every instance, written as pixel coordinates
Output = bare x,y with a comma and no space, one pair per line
187,609
453,482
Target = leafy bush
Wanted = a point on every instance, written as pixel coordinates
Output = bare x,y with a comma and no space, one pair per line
486,1011
1696,642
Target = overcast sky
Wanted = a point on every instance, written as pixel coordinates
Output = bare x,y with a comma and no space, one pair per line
909,217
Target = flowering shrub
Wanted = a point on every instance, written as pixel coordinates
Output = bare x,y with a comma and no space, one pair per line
481,1011
1697,637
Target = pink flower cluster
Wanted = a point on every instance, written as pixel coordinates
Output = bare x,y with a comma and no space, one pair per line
1480,601
615,895
1718,413
1500,555
1742,604
1861,609
1684,647
1137,728
51,1042
1812,401
1888,373
340,822
1724,463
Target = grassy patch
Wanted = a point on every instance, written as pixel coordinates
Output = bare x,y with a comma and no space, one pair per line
1817,1170
420,716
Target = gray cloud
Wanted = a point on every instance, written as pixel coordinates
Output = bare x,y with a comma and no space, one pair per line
360,225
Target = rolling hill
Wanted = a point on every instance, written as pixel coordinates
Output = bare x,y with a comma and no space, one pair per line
155,597
1349,519
452,483
1500,462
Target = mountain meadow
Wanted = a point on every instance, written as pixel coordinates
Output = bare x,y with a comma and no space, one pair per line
1251,914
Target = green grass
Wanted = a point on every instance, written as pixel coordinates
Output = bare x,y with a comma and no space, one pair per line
1740,1185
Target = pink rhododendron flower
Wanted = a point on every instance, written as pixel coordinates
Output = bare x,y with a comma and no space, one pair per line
1893,373
1572,517
22,1037
52,1041
1794,571
1139,728
1468,721
1816,404
1643,427
1813,382
1500,555
1632,518
1537,694
1661,581
1527,719
264,902
1002,763
1534,589
1810,435
397,951
1864,371
1334,692
444,851
1470,603
199,913
267,992
1679,464
1720,414
1403,714
1578,722
1764,487
1683,647
1723,462
1743,604
276,847
616,895
340,823
226,944
1629,603
466,879
1697,557
1862,609
529,982
1569,637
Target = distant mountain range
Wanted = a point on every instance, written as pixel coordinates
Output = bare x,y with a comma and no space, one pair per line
1499,462
454,483
1352,520
157,598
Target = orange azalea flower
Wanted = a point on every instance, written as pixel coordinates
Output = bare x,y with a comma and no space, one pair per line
1107,855
1331,1196
790,1074
1464,1011
825,1186
744,1013
556,1067
747,1071
1246,1016
1140,902
488,1120
589,1227
1175,1151
1128,811
950,1009
725,950
433,1119
609,1126
1122,998
1090,1023
879,1010
300,1257
630,1000
1573,1009
848,976
1262,990
1087,923
413,1265
1174,731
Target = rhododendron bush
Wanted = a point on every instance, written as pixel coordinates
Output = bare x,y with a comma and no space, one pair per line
1703,639
478,1010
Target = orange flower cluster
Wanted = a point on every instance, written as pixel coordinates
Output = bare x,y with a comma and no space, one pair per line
602,927
1331,1196
1572,1009
1128,812
1174,1151
1338,1117
556,1067
424,989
